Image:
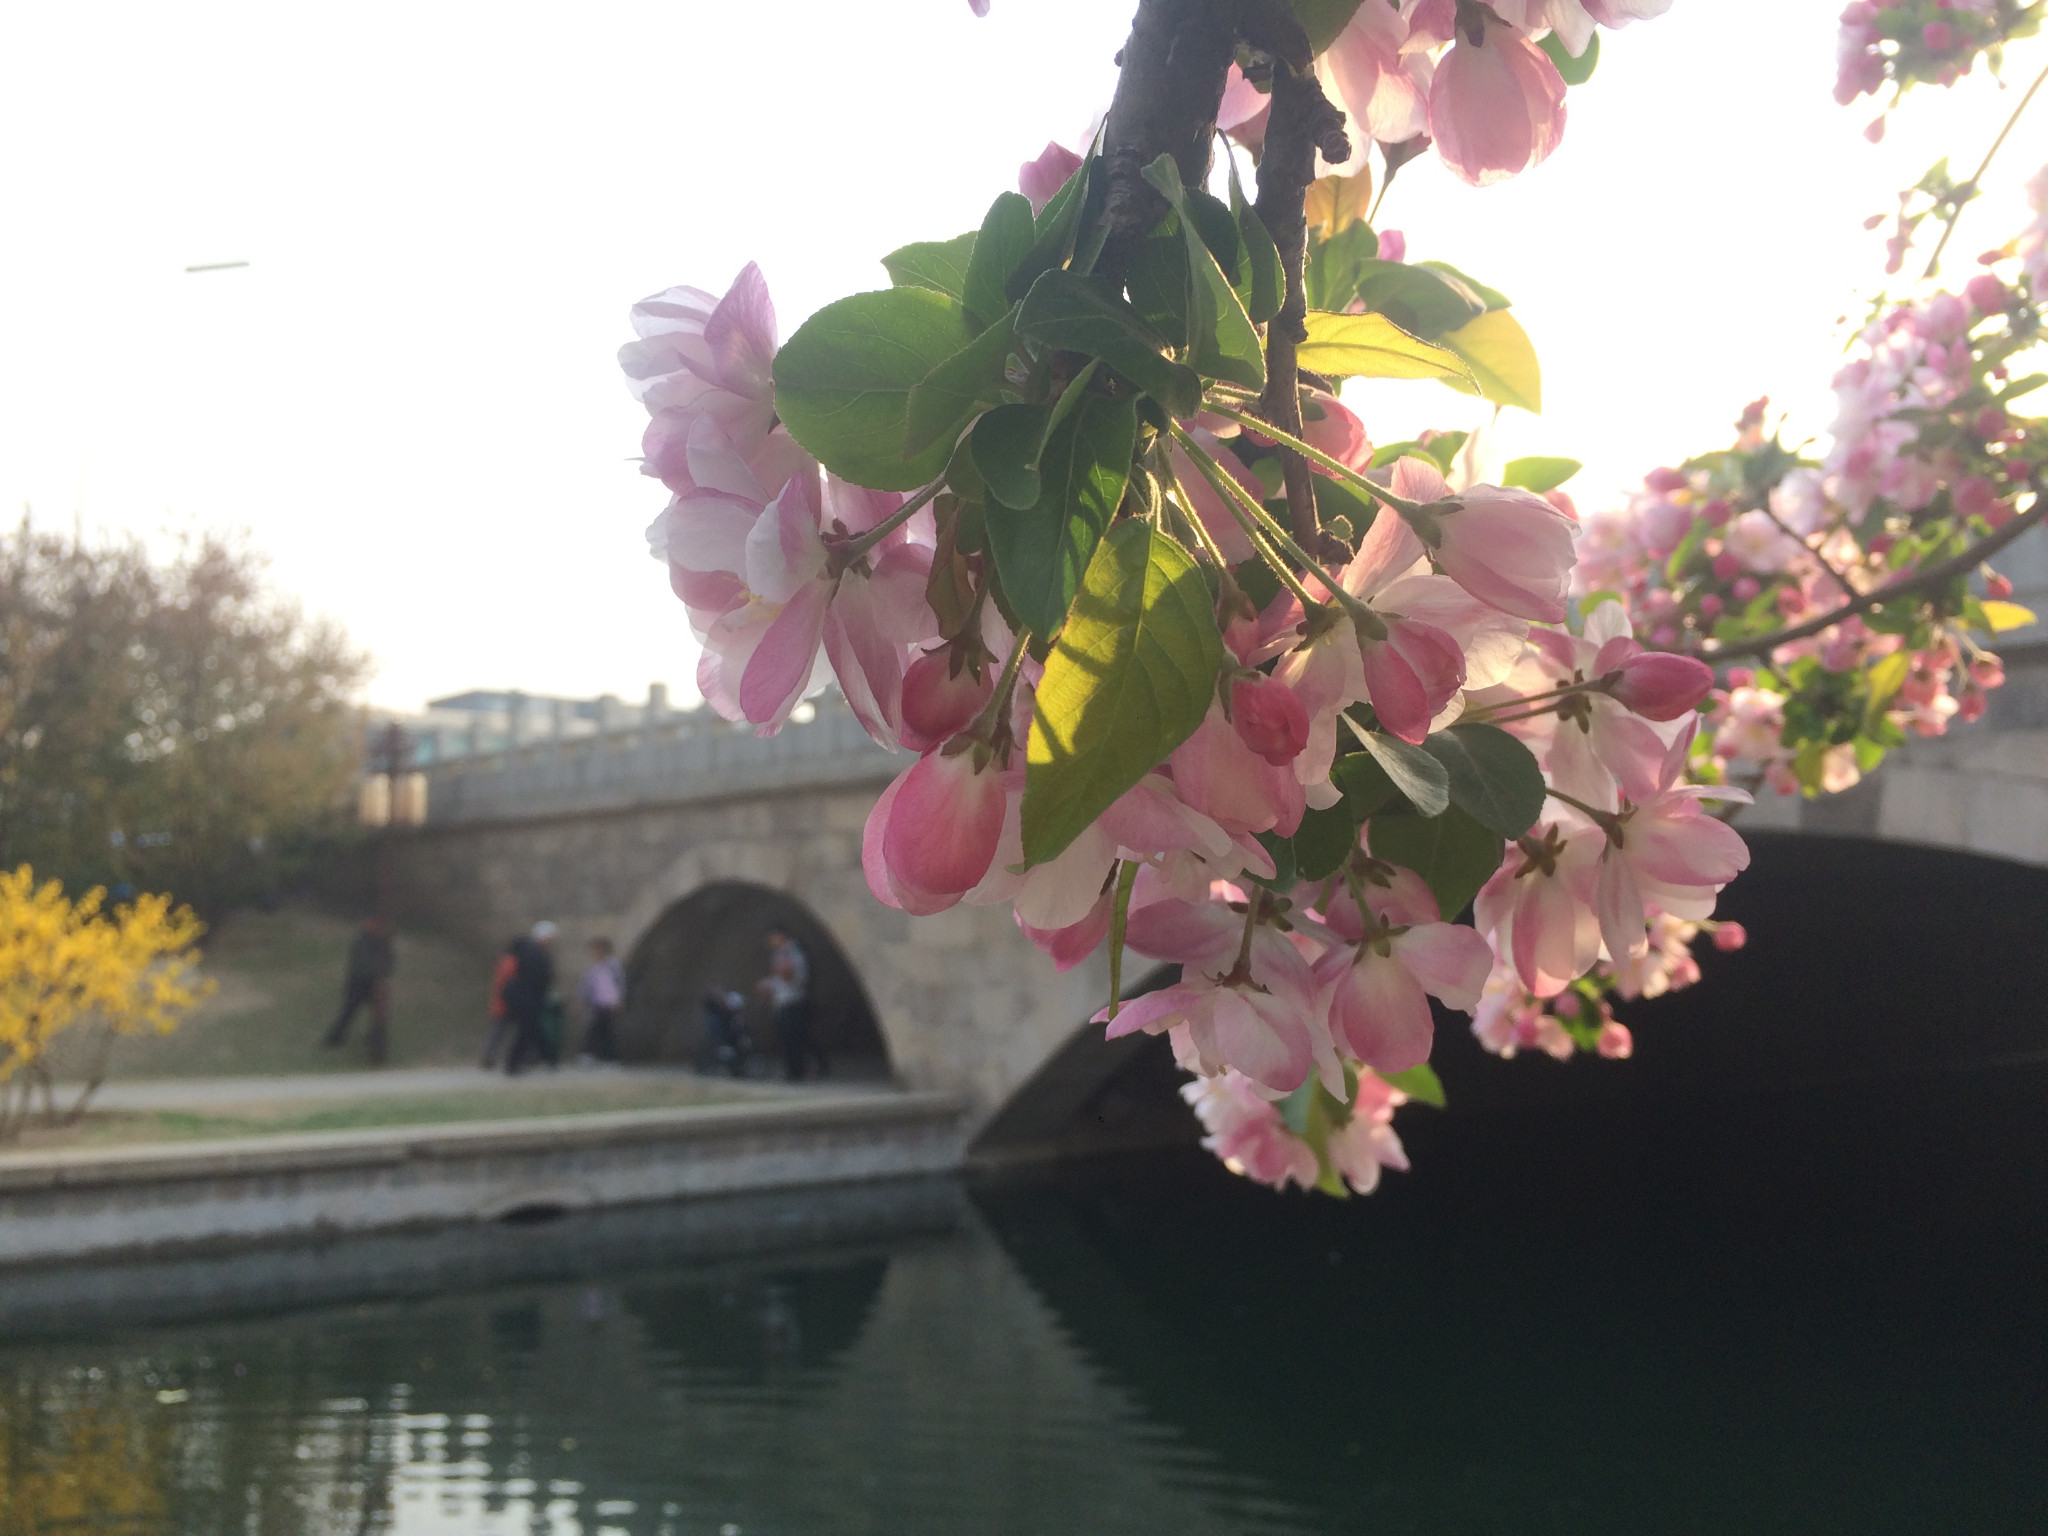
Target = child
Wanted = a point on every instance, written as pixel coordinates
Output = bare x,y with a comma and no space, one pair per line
604,990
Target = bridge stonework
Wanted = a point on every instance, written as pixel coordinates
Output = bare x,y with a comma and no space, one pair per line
605,836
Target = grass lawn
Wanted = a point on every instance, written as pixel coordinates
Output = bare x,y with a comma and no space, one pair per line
279,975
570,1095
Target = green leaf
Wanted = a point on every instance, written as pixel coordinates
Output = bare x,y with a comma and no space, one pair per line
951,393
1501,361
1322,20
1324,840
1373,347
1453,853
940,265
1363,783
1331,273
1005,240
1281,851
1887,677
843,380
1421,779
1056,227
1129,679
1492,298
1494,777
1222,341
1421,302
1420,1084
1575,71
1540,474
1006,443
1079,314
1262,256
1119,922
1041,553
1157,279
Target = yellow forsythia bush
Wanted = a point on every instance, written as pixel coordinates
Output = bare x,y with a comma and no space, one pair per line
73,965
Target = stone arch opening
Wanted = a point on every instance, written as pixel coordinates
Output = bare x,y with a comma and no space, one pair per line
1095,1095
717,937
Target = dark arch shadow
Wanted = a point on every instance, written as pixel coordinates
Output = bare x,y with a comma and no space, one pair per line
1868,962
1095,1095
716,937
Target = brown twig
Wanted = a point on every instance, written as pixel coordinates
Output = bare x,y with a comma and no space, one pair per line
1302,121
1922,580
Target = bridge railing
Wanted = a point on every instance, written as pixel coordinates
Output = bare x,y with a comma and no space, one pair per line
684,757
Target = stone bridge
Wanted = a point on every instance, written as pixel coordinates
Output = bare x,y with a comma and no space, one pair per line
683,839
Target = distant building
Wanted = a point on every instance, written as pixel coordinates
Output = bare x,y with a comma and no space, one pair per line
486,720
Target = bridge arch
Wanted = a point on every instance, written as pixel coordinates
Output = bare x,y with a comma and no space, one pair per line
716,938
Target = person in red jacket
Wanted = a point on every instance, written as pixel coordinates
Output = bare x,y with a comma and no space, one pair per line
501,1022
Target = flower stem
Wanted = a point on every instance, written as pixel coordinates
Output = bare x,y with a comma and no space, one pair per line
1956,214
1337,467
855,548
1213,473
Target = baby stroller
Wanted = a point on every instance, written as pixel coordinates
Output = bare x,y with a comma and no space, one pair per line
726,1050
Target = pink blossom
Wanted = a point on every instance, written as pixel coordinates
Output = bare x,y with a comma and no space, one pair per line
1508,1020
1383,90
1246,1132
1616,1043
1067,947
1730,936
1375,993
1366,1142
1393,245
1508,548
1666,854
1539,907
1496,106
1039,179
1262,1025
1226,780
932,836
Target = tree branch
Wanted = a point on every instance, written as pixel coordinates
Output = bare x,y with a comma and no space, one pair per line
1923,580
1302,121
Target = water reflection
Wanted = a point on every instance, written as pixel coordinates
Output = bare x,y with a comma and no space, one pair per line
1760,1318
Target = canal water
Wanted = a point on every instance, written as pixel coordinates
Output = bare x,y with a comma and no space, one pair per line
1797,1312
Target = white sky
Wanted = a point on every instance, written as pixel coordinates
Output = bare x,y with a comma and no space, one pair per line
409,398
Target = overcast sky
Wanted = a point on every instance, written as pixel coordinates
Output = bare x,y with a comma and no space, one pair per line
408,398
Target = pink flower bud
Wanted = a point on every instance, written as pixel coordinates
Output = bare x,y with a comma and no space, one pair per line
1729,937
1660,686
1727,567
1873,131
1741,677
1393,245
1717,512
1616,1043
1970,707
1938,36
1987,672
1997,586
1990,422
1882,545
2000,514
937,702
1745,588
944,825
1711,606
1665,481
1664,634
1790,601
1269,718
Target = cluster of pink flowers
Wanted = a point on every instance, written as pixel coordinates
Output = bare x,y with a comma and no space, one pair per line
756,538
1455,608
1469,77
1917,40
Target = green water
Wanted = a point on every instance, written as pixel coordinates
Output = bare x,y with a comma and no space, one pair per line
1786,1315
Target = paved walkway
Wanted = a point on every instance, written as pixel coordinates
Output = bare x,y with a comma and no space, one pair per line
393,1082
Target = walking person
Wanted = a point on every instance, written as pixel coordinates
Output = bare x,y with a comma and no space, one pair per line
526,996
604,993
501,1022
366,982
788,986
